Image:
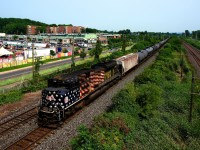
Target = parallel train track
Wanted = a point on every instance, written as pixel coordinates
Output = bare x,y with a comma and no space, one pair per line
34,137
29,141
13,123
194,56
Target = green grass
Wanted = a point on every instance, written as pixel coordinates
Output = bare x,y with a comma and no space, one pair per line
149,113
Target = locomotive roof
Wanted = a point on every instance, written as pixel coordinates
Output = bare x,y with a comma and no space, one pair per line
105,65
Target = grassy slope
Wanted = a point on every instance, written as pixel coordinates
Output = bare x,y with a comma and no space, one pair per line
151,113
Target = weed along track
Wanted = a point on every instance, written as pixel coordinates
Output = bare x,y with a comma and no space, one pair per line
13,123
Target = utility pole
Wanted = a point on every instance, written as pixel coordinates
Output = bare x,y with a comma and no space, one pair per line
181,65
33,70
191,98
73,63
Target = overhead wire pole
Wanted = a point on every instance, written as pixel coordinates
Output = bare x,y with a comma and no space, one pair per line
72,58
193,92
181,63
33,70
191,98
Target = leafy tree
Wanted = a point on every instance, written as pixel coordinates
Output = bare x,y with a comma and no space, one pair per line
76,51
127,31
17,25
60,40
110,44
124,44
187,33
91,30
53,25
37,65
52,53
83,30
15,37
138,46
83,53
97,51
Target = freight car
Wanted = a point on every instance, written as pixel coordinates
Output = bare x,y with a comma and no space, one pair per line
68,92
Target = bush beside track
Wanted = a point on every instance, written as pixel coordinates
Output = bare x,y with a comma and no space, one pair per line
150,113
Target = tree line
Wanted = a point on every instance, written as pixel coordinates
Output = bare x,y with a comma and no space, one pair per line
193,34
17,25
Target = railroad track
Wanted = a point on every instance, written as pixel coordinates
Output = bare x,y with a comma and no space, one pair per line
31,140
34,137
194,52
13,123
194,56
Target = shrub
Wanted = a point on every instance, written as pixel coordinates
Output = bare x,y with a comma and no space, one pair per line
149,97
124,101
85,140
10,97
149,76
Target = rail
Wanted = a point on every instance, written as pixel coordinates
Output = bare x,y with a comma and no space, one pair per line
13,123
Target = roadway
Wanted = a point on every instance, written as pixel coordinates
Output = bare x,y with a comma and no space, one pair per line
28,70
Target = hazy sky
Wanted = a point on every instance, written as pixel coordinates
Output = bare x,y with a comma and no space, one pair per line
111,15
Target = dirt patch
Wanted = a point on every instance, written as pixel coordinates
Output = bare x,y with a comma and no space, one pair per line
27,100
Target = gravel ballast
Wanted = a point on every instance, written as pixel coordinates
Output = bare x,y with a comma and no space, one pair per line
60,138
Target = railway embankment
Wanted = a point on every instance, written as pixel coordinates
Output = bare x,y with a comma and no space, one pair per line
152,111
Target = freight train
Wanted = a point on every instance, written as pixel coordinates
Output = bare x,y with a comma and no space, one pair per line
68,92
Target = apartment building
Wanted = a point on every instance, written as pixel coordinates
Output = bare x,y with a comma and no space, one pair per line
31,30
52,30
61,29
